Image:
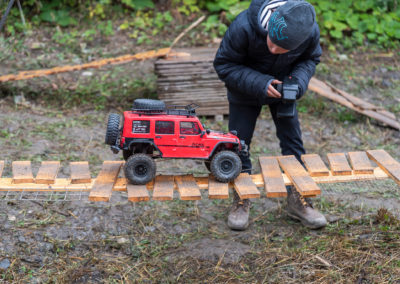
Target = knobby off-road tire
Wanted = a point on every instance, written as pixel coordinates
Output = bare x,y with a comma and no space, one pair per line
207,163
112,129
140,169
147,104
226,166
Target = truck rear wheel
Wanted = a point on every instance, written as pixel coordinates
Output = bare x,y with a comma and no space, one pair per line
112,129
226,166
140,169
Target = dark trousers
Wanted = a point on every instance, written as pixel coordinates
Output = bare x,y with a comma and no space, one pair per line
242,118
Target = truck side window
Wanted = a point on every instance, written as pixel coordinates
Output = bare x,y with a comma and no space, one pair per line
189,128
141,126
165,127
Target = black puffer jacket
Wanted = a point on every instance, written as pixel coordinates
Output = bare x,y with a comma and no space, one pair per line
244,63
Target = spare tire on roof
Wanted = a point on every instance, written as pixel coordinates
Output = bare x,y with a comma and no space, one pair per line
148,104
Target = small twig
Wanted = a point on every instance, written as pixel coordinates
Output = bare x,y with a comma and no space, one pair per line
192,26
21,13
54,210
323,261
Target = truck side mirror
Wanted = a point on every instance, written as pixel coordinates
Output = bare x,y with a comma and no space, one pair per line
208,131
202,134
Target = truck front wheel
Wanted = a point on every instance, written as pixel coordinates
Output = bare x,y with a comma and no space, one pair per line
226,166
140,169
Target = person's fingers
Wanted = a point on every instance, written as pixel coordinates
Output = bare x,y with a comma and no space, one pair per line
272,92
276,82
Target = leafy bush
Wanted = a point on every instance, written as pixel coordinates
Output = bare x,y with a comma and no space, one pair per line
345,22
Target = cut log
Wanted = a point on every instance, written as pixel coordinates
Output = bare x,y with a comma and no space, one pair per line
217,190
245,187
104,183
47,172
338,164
80,172
360,163
273,181
137,193
163,188
22,172
188,188
304,184
315,166
386,163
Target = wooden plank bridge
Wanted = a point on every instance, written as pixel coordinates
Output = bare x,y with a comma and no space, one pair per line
271,180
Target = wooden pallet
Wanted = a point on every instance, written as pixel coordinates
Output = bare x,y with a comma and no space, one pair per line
184,80
272,181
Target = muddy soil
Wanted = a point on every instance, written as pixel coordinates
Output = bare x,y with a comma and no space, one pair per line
179,241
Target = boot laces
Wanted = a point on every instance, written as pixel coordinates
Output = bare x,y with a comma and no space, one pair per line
303,201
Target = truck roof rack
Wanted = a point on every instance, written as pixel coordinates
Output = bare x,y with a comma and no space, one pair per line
184,110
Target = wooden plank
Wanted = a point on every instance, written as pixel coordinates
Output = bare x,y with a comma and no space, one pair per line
245,187
272,176
137,193
389,165
327,91
339,165
298,175
1,168
80,172
315,166
217,190
47,172
163,188
104,183
60,184
188,188
360,163
22,172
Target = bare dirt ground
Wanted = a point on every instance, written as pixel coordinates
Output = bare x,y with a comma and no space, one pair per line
180,241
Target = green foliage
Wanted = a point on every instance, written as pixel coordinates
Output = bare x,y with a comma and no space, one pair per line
348,23
357,22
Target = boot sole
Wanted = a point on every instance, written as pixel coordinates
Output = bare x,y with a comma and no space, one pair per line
305,223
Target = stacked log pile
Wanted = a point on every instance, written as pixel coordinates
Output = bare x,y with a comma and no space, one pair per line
192,79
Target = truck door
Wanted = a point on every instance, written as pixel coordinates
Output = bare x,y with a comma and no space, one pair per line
165,138
190,141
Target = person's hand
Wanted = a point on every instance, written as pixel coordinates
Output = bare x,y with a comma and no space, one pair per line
272,92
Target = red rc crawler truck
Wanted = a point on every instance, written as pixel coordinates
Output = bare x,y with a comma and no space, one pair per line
151,130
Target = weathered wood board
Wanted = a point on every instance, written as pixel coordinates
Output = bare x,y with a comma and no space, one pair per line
315,166
104,183
386,163
271,179
22,172
298,175
47,172
338,163
217,190
245,187
272,176
360,163
80,172
1,168
163,188
188,188
137,193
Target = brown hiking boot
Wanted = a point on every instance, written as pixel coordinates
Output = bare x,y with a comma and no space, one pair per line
238,218
301,209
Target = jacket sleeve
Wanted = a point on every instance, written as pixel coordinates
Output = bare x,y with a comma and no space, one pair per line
230,66
304,67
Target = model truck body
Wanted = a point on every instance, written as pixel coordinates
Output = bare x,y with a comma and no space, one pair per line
151,130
